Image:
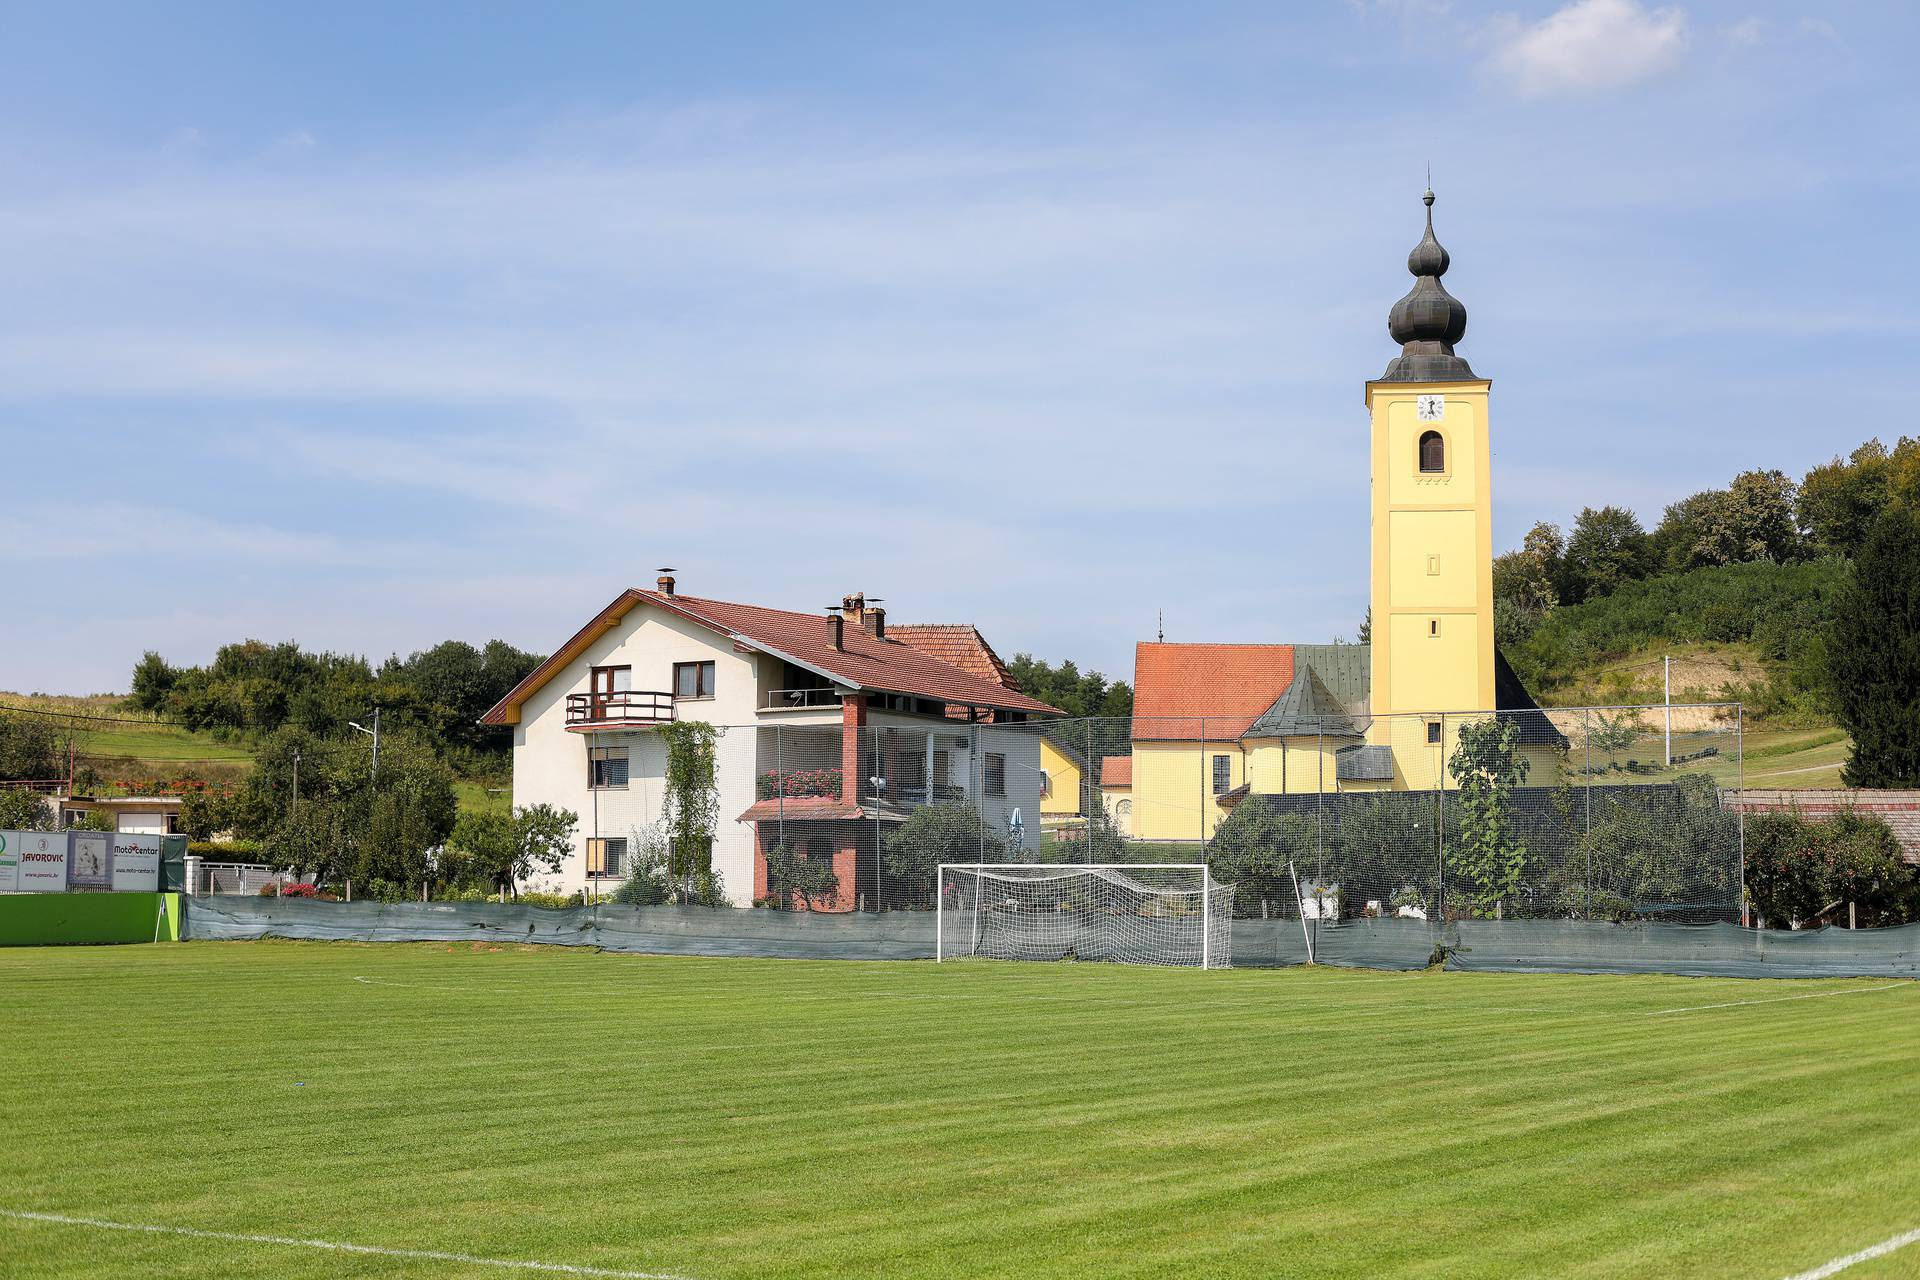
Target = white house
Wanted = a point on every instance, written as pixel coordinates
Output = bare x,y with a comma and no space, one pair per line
834,732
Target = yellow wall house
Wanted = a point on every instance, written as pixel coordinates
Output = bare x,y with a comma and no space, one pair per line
1214,723
1061,789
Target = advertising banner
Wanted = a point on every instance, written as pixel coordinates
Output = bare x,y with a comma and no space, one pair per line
9,863
87,861
43,860
136,861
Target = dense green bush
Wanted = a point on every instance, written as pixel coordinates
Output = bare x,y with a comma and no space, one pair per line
1803,872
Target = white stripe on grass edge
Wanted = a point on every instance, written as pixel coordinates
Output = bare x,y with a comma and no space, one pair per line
1868,1254
1812,995
336,1246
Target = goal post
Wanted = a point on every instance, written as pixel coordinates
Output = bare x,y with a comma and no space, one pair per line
1165,913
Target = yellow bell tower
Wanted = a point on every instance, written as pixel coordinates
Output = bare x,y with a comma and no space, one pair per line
1432,589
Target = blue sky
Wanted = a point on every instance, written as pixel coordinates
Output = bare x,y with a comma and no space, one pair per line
369,330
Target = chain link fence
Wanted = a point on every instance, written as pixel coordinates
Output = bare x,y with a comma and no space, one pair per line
1608,814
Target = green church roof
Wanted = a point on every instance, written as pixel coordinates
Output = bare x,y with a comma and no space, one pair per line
1328,694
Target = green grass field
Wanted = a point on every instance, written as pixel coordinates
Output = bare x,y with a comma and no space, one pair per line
736,1118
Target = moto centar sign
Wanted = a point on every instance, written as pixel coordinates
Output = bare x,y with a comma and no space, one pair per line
135,862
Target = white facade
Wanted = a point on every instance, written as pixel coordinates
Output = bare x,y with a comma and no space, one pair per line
551,763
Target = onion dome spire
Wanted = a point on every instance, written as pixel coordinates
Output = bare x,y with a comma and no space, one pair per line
1429,320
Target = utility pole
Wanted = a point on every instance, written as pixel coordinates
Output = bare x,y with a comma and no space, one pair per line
373,773
1667,663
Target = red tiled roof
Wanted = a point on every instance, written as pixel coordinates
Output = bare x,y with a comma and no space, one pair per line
1116,771
863,661
958,644
802,809
1184,692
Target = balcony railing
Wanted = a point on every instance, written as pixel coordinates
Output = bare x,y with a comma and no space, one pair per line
795,699
626,706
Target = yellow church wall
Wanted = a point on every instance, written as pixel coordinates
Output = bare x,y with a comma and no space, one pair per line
1173,788
1062,796
1292,766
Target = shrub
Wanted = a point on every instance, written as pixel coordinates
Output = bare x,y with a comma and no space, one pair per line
1805,873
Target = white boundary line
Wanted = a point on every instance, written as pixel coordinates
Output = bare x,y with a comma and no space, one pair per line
1815,995
428,1255
1871,1252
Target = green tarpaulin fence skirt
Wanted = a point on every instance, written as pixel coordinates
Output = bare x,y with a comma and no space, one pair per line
1512,946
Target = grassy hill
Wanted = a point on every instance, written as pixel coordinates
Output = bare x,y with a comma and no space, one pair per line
128,749
1751,633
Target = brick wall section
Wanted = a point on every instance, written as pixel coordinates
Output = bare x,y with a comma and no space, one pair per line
1898,809
853,721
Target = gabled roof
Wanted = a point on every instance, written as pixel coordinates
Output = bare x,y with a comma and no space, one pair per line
1182,692
1116,771
864,662
958,644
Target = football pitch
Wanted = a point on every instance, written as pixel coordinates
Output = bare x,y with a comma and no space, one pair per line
328,1110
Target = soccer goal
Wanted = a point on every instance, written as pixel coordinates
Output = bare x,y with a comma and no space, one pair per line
1126,913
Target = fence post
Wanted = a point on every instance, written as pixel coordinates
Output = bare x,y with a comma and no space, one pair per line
1586,790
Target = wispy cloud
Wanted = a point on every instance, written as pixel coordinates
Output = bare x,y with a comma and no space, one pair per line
1589,46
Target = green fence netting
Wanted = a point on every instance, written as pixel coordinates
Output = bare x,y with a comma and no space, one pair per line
691,931
1514,946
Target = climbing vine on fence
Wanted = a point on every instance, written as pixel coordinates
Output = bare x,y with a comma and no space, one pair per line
691,805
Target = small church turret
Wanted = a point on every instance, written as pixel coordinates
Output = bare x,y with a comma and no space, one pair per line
1432,553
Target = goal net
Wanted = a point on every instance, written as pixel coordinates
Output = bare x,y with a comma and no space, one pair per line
1146,913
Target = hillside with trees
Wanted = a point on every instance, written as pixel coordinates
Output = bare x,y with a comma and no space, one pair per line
1762,587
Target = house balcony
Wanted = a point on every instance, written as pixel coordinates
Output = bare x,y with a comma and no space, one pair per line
800,699
624,709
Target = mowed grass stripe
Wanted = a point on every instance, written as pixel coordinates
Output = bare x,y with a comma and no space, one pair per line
727,1118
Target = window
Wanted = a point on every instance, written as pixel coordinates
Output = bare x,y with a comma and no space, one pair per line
1433,733
1433,451
693,680
607,768
606,857
1433,626
1222,774
996,774
1123,809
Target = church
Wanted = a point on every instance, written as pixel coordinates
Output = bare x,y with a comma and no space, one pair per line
1214,723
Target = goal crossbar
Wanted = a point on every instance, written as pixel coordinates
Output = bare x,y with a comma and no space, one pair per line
1082,911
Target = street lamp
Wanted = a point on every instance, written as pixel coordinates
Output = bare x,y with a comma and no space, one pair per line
373,773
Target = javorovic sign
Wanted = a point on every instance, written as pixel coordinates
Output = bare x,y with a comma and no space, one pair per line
41,858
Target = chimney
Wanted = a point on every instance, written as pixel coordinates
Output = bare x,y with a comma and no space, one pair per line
665,581
836,633
854,607
877,622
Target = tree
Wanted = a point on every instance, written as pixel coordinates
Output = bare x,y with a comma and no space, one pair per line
204,813
1752,519
1486,766
1523,585
153,682
24,810
1873,653
1365,634
1802,873
1607,547
508,848
796,882
29,749
935,834
348,826
1078,694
